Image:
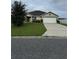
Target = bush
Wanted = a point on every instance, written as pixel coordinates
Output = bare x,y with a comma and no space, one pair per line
33,20
38,21
41,20
58,21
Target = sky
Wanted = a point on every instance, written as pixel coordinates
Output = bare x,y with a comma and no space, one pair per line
58,7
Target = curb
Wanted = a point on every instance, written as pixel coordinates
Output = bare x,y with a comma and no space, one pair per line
38,37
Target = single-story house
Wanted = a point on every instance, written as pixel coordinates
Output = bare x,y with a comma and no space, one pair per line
47,17
62,20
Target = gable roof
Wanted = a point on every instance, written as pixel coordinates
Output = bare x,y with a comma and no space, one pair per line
37,13
53,14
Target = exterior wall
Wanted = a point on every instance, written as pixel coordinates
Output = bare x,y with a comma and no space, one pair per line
31,19
49,15
38,18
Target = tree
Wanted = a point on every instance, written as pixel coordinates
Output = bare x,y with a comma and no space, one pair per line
18,13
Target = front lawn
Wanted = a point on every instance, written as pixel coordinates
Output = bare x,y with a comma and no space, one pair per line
28,29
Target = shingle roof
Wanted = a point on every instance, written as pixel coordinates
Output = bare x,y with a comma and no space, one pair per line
53,13
37,12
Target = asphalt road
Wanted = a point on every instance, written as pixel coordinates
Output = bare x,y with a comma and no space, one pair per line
41,48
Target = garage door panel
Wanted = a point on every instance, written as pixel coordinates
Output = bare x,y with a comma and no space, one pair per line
49,20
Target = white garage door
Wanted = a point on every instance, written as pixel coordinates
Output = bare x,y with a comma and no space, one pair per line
49,20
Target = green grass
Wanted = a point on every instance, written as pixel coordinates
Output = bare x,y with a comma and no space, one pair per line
28,29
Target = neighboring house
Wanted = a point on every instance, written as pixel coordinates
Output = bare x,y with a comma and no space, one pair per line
40,15
62,20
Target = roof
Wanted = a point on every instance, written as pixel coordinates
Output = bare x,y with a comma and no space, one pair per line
62,18
37,13
54,14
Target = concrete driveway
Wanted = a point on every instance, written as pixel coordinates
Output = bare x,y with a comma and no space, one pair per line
54,29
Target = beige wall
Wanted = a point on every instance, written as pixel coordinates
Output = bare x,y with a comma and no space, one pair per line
50,15
38,17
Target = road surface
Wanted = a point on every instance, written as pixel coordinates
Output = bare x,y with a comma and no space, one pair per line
39,48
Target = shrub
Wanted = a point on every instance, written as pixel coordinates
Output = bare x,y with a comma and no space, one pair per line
38,21
58,21
41,20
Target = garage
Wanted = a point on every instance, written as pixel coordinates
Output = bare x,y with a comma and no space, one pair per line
50,17
49,20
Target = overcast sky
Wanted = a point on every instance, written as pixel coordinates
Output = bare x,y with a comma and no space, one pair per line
56,6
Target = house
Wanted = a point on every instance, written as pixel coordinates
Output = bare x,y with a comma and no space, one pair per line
40,15
62,20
